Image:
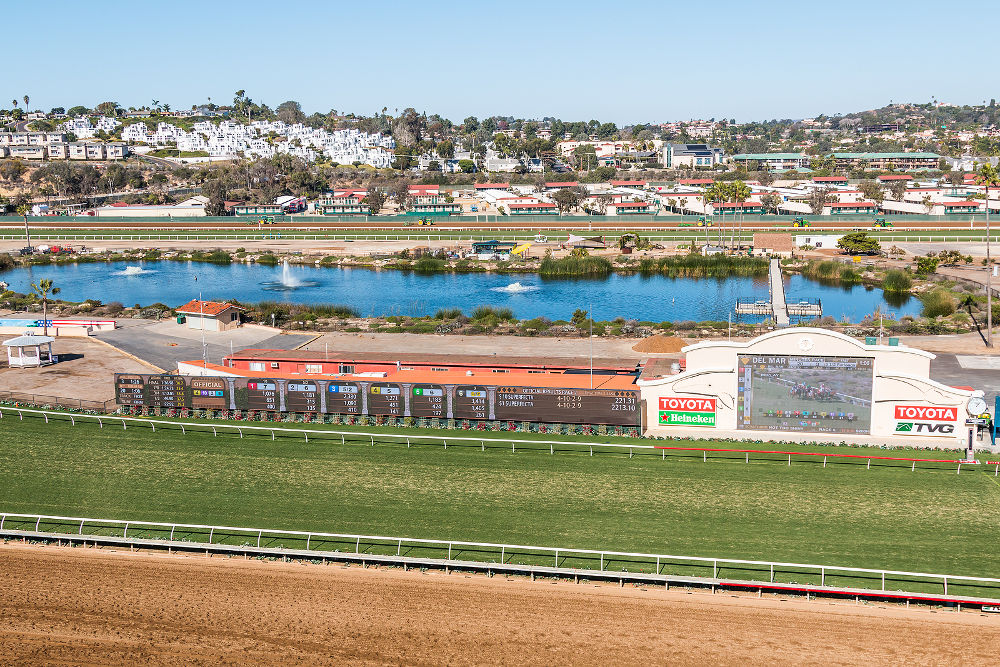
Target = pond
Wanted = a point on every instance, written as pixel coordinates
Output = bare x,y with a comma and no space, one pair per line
393,292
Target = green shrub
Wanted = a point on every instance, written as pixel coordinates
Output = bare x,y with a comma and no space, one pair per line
448,314
897,281
938,303
484,313
698,266
575,266
268,259
428,264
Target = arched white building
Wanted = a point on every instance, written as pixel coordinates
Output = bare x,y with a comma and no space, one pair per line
807,384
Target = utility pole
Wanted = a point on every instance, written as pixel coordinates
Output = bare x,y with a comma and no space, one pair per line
27,235
989,275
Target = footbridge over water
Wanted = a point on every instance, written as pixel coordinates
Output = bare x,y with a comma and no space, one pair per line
776,306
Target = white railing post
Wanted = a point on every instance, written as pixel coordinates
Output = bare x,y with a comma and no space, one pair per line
557,558
125,532
210,534
449,551
172,532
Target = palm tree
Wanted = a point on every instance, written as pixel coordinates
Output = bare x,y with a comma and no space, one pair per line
989,177
740,192
43,289
26,98
15,103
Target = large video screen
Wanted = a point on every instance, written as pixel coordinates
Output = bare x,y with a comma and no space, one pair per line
805,393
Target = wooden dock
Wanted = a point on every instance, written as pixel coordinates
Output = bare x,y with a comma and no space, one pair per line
776,307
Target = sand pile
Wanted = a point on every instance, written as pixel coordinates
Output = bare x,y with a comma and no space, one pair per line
660,344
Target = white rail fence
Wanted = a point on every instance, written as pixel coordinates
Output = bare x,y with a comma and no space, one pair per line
562,560
319,433
495,440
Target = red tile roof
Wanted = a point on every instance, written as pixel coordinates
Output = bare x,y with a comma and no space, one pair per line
627,183
895,177
210,308
459,377
540,204
830,179
734,204
631,204
696,181
959,203
492,186
854,204
562,184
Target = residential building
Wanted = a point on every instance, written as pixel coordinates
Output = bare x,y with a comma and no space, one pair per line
58,151
210,315
772,161
77,150
28,152
732,208
849,208
536,208
115,151
887,161
95,151
257,209
630,208
676,156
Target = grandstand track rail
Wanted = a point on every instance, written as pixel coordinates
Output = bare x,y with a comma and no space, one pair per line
506,554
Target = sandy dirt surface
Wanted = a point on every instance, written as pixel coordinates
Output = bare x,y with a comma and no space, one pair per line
84,370
89,606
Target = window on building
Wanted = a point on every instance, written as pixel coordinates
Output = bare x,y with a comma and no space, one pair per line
347,368
256,365
274,364
314,368
437,368
500,370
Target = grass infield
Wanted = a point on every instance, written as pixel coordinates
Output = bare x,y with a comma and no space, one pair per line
930,520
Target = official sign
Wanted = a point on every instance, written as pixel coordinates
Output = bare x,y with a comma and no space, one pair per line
926,413
677,411
924,428
925,420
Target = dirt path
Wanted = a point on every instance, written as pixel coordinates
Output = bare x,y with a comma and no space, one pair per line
87,606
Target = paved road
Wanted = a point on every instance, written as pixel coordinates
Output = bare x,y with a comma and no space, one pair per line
979,372
163,344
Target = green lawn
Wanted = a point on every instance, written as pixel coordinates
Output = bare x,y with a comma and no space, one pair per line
886,517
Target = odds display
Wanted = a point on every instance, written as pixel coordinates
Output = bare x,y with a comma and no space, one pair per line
562,405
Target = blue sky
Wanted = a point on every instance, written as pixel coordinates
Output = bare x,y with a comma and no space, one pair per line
623,62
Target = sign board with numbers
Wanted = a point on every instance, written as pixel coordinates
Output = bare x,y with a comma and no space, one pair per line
391,399
568,406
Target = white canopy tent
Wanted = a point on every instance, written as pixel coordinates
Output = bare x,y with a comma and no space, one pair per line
27,351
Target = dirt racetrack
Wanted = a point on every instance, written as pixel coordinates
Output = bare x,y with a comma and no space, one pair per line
89,606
